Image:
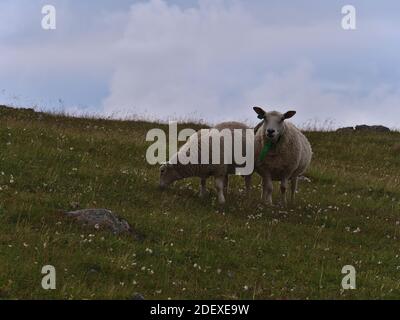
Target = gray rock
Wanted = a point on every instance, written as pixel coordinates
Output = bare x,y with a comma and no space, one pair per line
103,219
345,129
364,127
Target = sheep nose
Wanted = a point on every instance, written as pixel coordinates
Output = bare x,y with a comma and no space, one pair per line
270,132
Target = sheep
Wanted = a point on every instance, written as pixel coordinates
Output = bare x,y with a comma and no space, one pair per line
174,170
282,153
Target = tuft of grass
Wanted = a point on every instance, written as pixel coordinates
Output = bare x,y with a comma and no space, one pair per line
396,148
347,215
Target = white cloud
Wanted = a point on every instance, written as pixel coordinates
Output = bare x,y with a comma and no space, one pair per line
217,60
298,89
213,60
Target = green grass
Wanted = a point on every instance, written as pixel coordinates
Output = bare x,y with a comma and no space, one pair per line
347,214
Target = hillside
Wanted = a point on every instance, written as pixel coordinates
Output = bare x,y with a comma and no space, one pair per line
347,214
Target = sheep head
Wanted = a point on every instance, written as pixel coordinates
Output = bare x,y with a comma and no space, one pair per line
168,174
273,123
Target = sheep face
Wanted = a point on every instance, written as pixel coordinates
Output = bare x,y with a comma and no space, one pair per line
273,124
168,174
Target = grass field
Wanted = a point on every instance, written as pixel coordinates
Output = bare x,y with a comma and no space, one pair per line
349,214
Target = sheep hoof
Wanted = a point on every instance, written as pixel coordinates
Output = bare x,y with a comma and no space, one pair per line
283,203
221,202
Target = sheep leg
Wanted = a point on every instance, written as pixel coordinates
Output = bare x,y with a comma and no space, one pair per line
203,189
226,184
293,185
219,184
284,185
267,189
247,181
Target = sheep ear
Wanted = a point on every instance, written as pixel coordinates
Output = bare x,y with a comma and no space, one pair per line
289,114
260,112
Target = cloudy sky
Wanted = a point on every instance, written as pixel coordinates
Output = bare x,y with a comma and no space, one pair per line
204,59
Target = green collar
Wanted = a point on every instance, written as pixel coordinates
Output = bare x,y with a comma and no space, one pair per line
266,148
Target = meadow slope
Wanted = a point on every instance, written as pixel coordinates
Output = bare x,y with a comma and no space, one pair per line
347,215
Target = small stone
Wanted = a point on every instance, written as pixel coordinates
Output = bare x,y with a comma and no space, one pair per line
137,296
75,205
304,178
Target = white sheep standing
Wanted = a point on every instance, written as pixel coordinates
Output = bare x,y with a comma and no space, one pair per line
175,170
281,151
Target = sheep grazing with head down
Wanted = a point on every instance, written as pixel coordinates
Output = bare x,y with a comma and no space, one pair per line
282,152
174,169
